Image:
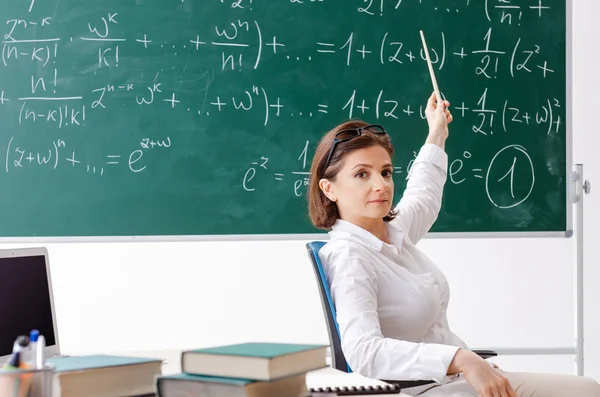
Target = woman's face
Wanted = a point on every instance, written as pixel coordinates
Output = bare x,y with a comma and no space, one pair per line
363,189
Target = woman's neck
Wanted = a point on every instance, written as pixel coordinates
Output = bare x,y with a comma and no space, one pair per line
374,226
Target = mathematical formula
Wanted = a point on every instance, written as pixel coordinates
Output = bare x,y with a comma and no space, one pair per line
490,117
244,43
247,35
59,154
505,11
247,41
504,186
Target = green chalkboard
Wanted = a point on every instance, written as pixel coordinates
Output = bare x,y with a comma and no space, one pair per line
183,117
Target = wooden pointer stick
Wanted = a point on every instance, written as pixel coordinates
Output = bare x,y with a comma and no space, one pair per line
435,86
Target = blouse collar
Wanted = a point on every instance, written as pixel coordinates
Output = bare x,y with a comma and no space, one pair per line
344,229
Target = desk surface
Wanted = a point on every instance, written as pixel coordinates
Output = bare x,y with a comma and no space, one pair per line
326,377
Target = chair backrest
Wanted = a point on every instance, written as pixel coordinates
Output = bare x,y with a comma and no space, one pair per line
338,361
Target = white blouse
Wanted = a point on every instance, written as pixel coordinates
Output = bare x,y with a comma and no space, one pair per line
390,299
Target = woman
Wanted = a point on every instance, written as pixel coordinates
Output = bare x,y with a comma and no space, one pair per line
390,299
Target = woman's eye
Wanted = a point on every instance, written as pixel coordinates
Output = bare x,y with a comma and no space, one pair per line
387,173
361,174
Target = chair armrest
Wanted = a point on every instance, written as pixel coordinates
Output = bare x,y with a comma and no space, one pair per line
485,353
405,384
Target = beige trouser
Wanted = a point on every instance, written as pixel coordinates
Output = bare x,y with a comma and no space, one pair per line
524,384
548,385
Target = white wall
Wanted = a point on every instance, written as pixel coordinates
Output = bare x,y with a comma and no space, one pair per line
128,296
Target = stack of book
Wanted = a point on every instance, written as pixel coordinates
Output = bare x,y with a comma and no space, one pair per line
244,370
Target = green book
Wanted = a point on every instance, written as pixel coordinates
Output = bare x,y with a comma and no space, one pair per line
106,376
83,363
214,386
254,360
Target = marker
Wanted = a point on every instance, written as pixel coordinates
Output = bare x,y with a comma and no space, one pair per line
14,362
21,343
33,342
18,347
41,346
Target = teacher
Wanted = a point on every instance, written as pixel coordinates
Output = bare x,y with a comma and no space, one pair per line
391,300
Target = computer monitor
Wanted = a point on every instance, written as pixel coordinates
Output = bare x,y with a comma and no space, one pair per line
26,300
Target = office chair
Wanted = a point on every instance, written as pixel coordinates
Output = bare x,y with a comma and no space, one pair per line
338,361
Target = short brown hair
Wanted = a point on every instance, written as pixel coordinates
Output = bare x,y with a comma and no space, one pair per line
322,211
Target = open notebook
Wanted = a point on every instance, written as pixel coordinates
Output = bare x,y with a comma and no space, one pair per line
329,380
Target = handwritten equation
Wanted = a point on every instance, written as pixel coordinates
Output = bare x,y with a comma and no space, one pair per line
488,115
59,154
497,51
244,44
504,11
507,179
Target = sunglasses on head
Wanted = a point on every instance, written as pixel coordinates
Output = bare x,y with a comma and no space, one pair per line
346,135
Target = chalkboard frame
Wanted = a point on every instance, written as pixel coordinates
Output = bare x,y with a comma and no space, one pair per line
569,186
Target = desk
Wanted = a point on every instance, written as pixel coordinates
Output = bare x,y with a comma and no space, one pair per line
319,378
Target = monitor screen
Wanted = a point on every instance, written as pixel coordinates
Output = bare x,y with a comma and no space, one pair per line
24,300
